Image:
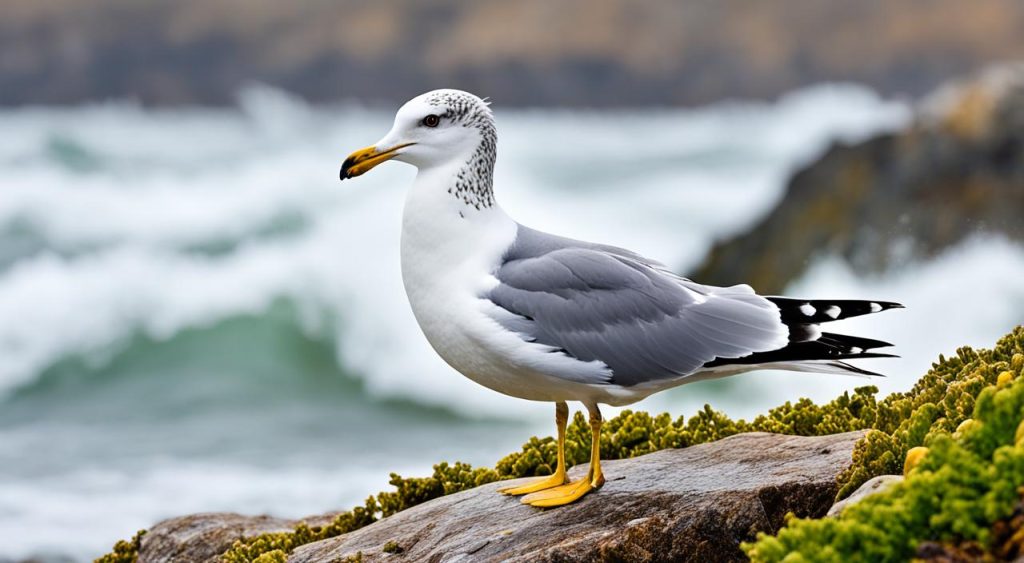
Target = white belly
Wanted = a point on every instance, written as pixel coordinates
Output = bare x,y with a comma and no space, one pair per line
444,275
447,268
459,328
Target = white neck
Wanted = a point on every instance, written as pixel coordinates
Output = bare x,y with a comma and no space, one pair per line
443,237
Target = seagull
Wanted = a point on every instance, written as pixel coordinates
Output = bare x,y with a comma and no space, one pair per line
543,317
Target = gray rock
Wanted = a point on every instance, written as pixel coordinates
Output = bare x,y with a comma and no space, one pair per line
690,504
873,486
204,537
956,171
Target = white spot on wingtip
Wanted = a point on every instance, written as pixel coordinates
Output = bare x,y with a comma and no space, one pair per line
856,350
833,311
875,307
808,309
813,332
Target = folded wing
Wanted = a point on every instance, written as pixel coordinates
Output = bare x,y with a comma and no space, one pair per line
642,322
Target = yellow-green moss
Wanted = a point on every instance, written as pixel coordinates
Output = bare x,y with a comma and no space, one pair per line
275,547
937,403
970,479
125,551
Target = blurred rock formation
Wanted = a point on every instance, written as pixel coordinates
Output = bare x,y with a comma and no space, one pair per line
957,171
529,52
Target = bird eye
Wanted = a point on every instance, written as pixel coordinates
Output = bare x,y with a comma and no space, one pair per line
431,120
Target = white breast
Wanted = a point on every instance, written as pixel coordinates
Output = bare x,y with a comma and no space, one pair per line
447,265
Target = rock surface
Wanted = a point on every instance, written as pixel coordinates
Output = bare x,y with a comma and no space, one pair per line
695,503
871,487
958,170
204,537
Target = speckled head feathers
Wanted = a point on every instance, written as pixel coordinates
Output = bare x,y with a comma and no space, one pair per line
474,182
462,107
448,130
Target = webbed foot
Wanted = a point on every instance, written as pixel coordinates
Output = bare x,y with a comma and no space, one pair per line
536,484
564,494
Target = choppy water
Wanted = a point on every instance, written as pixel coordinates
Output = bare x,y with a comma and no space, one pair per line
195,315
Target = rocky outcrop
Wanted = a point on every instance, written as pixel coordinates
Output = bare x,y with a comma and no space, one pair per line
696,503
576,53
203,537
958,170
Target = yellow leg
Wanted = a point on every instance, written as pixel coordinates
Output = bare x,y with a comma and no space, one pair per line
558,477
559,496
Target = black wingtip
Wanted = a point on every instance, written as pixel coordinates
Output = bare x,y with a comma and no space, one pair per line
816,311
856,370
869,355
844,341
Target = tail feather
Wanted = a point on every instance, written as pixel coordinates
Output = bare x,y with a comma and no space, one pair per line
810,349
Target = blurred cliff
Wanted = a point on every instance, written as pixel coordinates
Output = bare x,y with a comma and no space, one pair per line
531,52
956,172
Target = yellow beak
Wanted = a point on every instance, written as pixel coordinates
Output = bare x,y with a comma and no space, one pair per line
361,161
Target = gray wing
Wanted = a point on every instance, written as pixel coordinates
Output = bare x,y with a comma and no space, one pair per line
602,303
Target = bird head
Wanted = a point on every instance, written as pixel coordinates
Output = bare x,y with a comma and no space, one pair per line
431,129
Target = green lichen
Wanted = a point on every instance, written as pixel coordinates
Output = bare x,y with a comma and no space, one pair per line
938,403
970,479
392,547
276,556
125,551
275,547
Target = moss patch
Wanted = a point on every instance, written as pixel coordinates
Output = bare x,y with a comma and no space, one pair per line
936,405
275,547
125,551
963,492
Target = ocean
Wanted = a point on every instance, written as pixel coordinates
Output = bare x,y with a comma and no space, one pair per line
195,315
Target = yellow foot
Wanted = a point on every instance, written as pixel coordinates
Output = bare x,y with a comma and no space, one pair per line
534,485
565,494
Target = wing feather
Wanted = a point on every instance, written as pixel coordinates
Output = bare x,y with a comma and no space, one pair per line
643,322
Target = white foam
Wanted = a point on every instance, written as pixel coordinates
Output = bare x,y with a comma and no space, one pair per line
93,507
